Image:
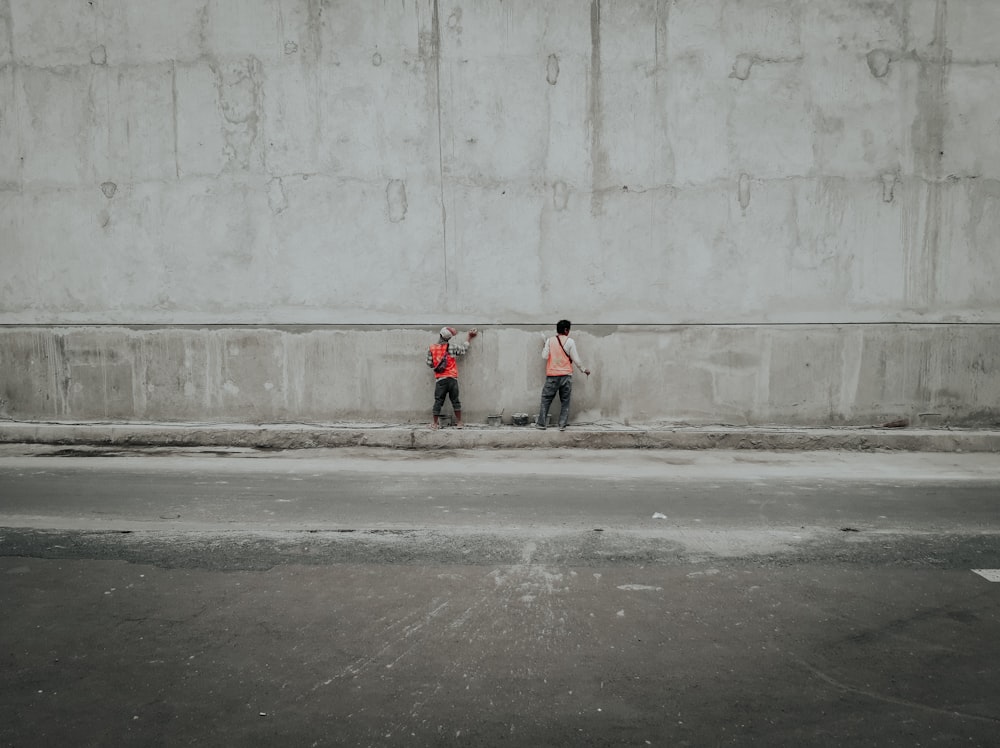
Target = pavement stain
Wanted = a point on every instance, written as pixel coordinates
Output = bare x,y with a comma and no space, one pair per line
467,647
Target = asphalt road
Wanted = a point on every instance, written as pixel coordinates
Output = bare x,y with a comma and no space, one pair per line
535,598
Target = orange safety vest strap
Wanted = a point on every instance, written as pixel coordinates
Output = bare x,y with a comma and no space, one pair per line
439,351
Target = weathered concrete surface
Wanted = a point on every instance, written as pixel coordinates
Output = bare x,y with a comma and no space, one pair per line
127,436
654,162
420,655
357,598
784,500
803,375
663,169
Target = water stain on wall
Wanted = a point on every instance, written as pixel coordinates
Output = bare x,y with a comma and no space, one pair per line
455,21
741,67
928,135
878,62
560,195
889,187
395,197
240,95
743,191
552,69
276,198
6,29
598,154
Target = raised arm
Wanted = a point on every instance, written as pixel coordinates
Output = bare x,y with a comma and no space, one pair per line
455,348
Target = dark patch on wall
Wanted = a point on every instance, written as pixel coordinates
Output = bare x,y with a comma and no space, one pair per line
743,192
928,136
742,67
395,197
889,187
203,23
598,156
35,381
663,153
240,94
552,70
878,62
455,21
429,39
314,30
984,204
429,45
735,360
560,195
277,200
7,26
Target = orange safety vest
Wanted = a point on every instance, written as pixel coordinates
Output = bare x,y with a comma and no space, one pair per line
438,351
558,363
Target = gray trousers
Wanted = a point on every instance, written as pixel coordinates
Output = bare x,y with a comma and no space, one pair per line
447,387
564,386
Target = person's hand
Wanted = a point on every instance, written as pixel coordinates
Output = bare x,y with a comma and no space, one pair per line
473,332
587,372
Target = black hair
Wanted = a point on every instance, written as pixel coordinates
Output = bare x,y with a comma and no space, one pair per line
562,327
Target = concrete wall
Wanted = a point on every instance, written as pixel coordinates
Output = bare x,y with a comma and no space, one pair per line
824,174
760,374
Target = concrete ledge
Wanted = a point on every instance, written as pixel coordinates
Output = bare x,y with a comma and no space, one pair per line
304,436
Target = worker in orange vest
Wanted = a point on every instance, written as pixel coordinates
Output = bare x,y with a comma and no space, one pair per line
560,355
441,358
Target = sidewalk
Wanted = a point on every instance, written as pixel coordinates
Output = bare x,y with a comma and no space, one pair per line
606,435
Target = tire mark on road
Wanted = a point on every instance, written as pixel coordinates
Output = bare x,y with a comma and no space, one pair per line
891,699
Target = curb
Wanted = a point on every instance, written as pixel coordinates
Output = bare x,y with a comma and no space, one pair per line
298,436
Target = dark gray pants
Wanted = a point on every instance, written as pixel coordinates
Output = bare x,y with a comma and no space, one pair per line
564,386
447,387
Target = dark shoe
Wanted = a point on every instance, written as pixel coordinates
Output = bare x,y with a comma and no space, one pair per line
562,428
540,427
